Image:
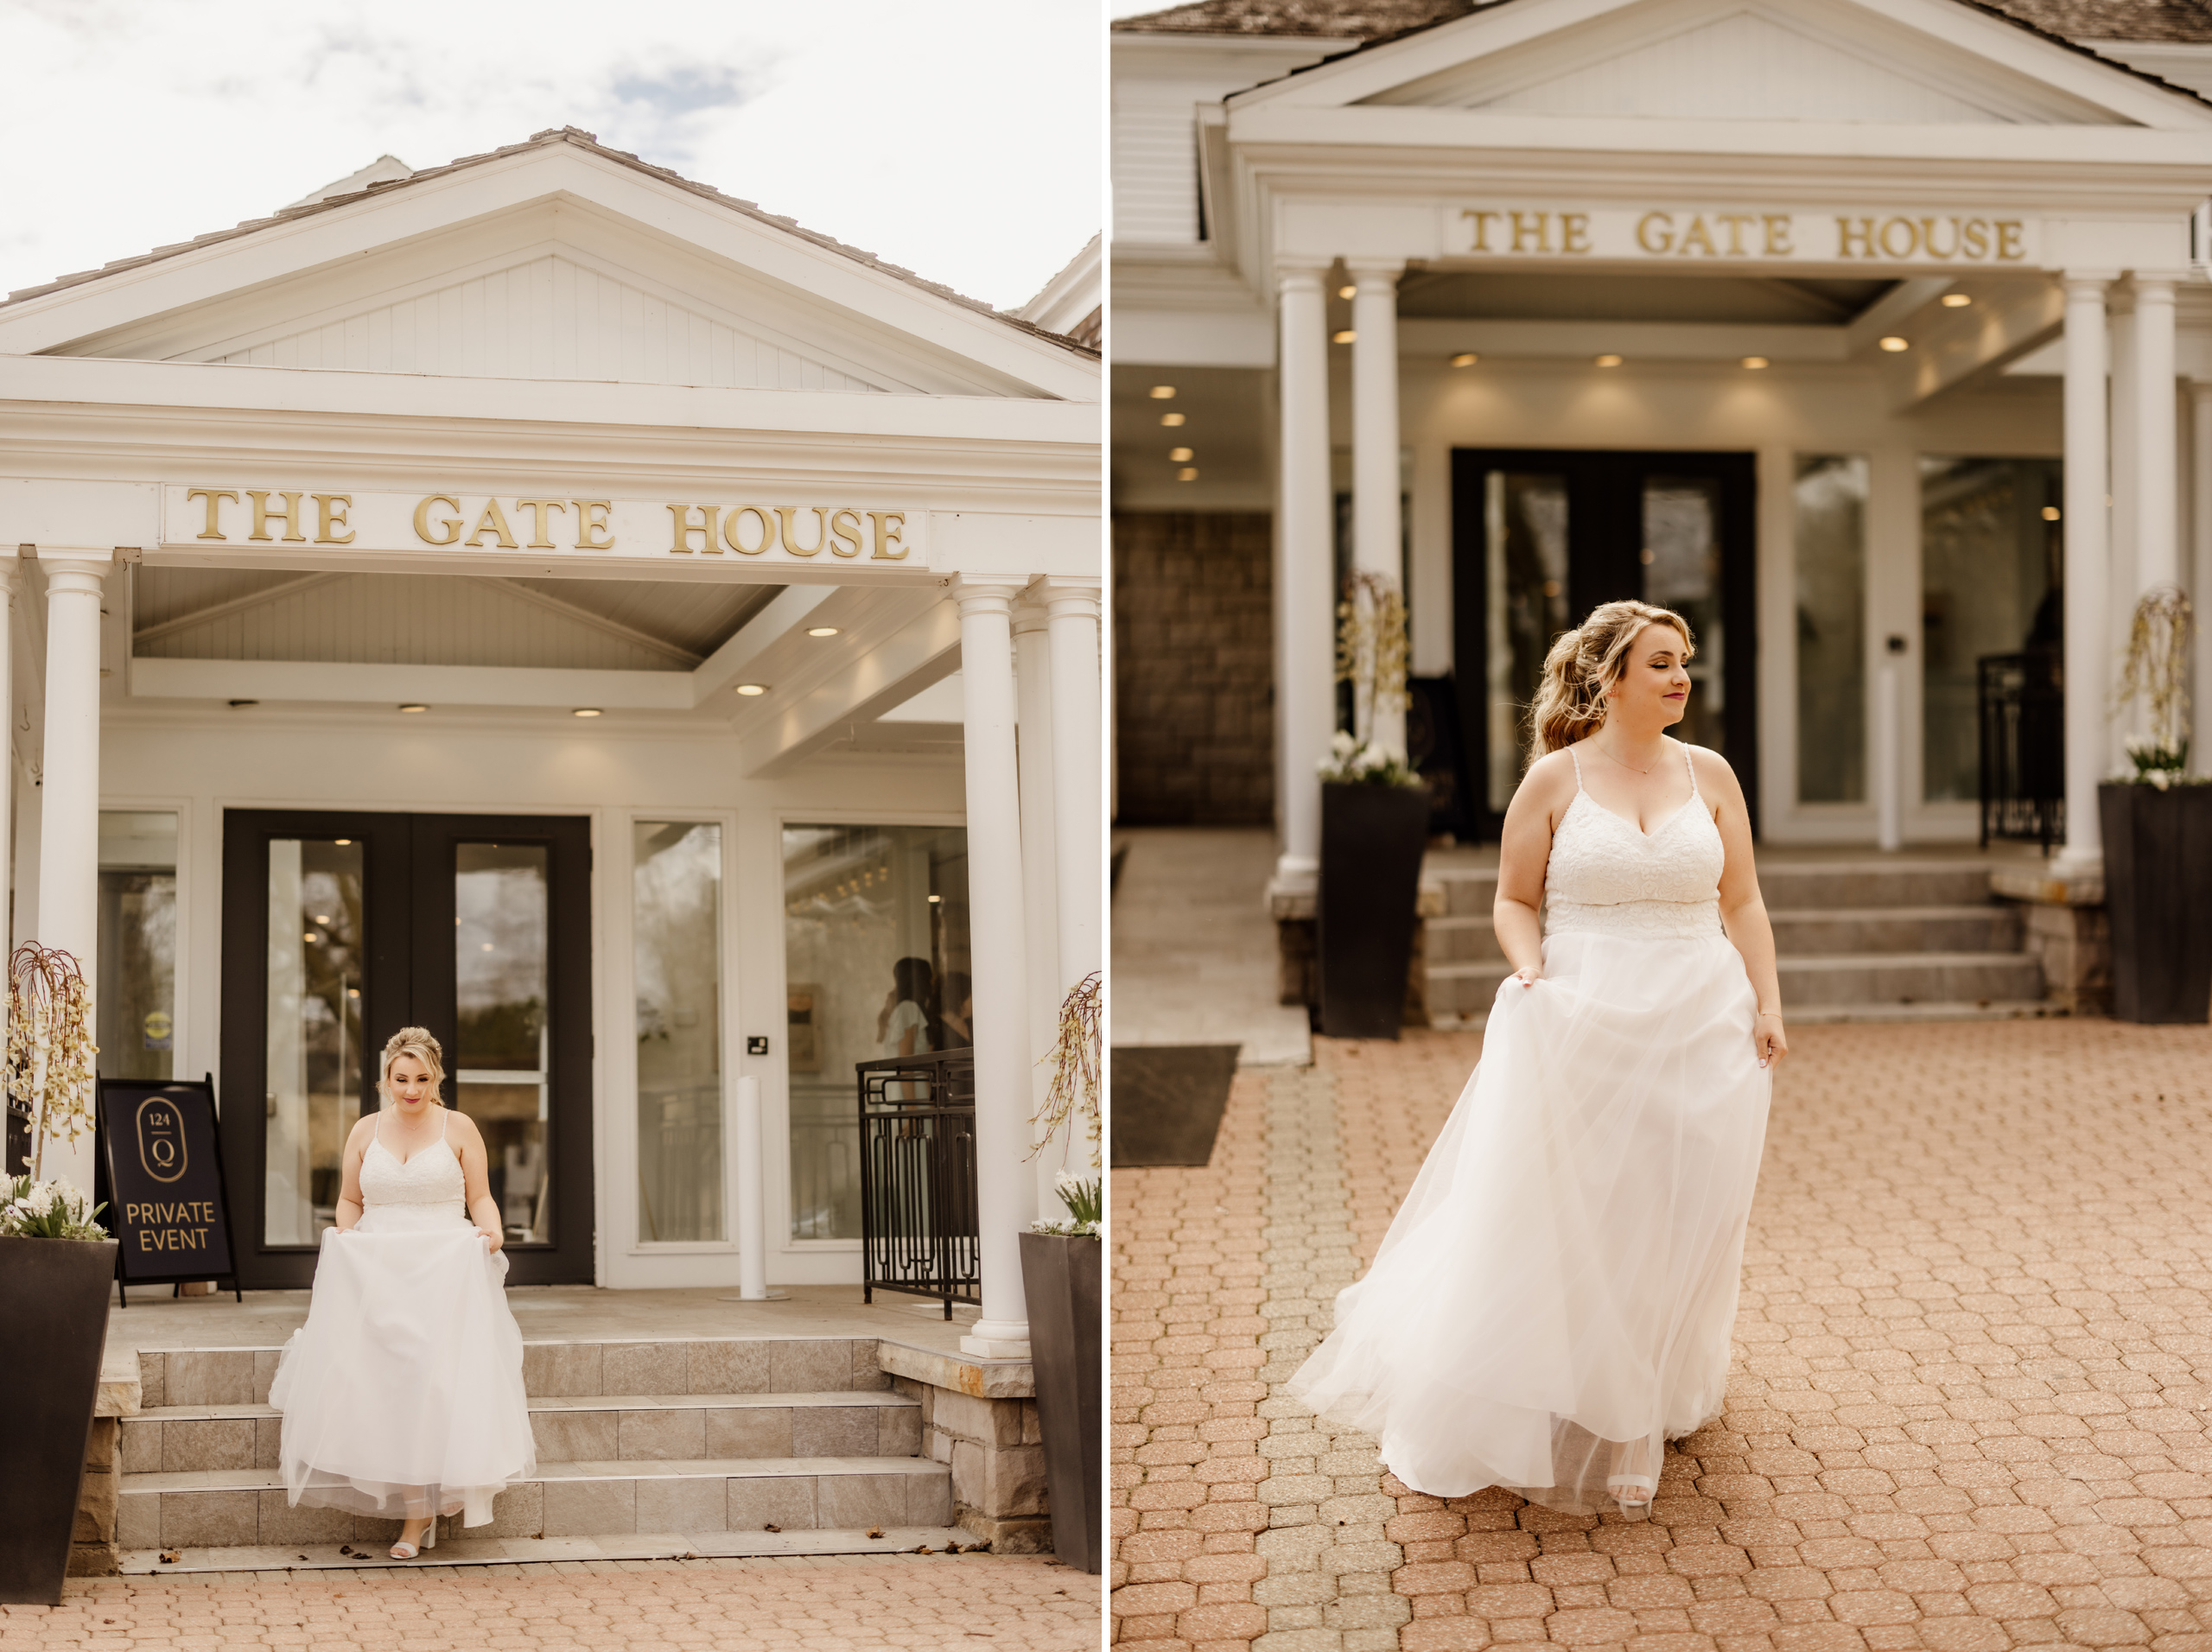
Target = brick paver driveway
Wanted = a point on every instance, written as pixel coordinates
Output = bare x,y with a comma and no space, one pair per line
1968,1409
829,1604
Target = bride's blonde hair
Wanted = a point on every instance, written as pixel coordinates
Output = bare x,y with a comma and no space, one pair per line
1570,704
412,1041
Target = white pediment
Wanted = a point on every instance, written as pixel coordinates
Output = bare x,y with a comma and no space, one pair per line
1824,61
557,260
553,316
1833,63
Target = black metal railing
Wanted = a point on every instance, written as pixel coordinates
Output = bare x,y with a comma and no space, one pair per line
2021,709
918,1227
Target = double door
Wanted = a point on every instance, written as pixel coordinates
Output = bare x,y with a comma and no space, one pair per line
339,928
1540,537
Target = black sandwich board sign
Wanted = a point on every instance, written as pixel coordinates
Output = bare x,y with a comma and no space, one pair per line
163,1173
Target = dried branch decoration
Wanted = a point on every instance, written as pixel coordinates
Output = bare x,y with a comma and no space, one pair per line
1075,1059
1371,647
2155,671
50,1048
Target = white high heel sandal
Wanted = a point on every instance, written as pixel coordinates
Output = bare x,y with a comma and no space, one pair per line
408,1551
1629,1489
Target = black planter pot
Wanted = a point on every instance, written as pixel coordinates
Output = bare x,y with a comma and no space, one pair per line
2158,893
1060,1280
54,1302
1371,842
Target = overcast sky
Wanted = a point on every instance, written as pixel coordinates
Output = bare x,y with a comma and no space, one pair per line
961,138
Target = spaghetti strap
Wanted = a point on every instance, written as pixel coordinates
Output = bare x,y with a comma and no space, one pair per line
446,1123
1691,767
1577,761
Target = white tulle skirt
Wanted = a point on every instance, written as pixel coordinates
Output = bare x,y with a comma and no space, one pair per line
1561,1280
402,1394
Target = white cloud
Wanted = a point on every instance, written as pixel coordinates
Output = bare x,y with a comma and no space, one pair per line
963,140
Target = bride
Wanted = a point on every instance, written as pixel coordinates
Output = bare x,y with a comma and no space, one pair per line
1554,1300
403,1394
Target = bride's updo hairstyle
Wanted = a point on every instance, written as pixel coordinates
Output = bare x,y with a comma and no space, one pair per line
1570,704
411,1041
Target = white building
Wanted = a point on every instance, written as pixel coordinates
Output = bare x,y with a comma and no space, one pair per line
546,599
1834,322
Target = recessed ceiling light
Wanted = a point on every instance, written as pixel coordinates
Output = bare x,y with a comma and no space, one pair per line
1755,362
586,711
414,707
1347,292
1163,392
936,899
1188,473
1893,343
1609,361
1465,359
822,631
343,843
1180,455
1956,301
750,688
2050,513
1172,421
1345,337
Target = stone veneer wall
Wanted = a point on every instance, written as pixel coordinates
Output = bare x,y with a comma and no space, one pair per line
980,1417
1193,669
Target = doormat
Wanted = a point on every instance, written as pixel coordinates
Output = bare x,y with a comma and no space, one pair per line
1167,1100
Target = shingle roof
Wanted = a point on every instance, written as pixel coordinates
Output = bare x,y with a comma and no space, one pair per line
2173,21
546,139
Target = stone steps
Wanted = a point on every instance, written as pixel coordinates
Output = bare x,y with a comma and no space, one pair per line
693,1441
541,1551
1857,940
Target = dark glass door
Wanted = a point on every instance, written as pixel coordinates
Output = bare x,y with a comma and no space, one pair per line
338,928
1540,537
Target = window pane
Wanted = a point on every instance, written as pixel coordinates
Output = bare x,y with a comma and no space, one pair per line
677,889
1525,530
313,1096
137,990
875,957
1990,583
1682,571
1831,573
502,1075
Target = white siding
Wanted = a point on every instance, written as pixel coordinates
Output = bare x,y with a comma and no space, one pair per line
390,620
1156,164
550,318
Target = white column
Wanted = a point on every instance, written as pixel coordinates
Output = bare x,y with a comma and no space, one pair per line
2200,588
2157,538
68,869
6,743
2121,497
1078,819
1306,650
2087,645
1377,532
1033,671
1006,1189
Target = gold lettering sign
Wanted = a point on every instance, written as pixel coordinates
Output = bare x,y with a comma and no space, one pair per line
1675,233
161,1140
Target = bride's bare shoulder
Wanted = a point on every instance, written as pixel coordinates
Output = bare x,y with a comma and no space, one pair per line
1550,777
462,1127
365,1127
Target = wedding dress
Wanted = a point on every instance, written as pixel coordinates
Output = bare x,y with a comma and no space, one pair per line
1554,1297
402,1394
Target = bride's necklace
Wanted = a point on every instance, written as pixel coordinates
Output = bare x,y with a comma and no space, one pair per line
1624,762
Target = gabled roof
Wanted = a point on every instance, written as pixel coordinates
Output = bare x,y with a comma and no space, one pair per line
1369,21
553,137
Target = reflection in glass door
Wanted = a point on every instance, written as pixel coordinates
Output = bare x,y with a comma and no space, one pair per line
503,1077
1542,538
677,924
312,1084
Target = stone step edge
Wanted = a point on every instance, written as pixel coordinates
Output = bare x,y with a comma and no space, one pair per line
1805,963
1996,1009
882,1399
553,1550
179,1482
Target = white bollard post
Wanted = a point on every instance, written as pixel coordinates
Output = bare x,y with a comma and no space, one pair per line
1889,745
751,1200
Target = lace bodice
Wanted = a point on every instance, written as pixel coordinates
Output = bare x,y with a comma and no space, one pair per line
1606,875
431,1176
